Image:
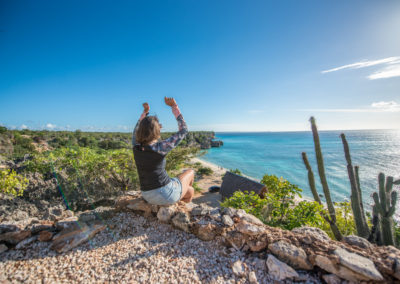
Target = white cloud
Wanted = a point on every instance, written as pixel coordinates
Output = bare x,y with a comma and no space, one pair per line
382,106
23,126
387,72
390,69
365,63
50,126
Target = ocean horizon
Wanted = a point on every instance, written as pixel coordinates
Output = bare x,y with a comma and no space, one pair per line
258,153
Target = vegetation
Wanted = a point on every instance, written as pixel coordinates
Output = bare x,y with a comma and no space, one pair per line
204,171
383,229
236,171
12,183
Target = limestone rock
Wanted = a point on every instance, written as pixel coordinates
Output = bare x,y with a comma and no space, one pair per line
54,213
359,264
234,238
227,220
258,244
166,213
290,254
249,228
328,265
215,214
6,228
23,244
3,248
45,236
238,268
41,226
248,217
311,234
358,241
201,210
331,279
231,212
15,237
67,241
280,270
182,221
140,204
206,232
71,222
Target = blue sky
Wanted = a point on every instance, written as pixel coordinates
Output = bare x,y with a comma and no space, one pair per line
231,65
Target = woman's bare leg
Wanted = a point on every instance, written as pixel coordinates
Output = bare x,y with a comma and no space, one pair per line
187,179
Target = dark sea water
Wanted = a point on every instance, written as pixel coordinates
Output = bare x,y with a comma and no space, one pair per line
279,153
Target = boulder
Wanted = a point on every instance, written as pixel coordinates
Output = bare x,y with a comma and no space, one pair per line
248,217
358,242
68,241
234,238
3,248
279,270
249,228
201,210
312,234
14,238
166,213
227,221
182,221
290,254
359,264
330,266
71,222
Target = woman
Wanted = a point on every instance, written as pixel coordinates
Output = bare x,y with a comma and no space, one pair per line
156,186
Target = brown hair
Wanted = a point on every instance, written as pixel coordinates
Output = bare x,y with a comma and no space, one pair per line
149,130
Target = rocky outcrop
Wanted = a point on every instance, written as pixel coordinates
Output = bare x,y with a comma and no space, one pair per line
303,248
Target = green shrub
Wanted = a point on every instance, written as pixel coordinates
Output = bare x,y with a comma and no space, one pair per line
236,171
178,156
248,201
206,171
3,129
196,187
12,183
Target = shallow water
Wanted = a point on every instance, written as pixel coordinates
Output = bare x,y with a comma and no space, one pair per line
279,153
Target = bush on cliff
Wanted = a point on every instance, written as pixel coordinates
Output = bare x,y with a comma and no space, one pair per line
12,183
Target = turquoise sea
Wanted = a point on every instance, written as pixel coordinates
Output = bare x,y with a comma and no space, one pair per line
279,153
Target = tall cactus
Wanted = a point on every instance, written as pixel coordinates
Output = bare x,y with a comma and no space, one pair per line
321,171
385,207
356,196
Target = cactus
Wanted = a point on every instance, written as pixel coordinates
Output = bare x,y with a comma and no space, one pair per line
356,196
385,207
321,171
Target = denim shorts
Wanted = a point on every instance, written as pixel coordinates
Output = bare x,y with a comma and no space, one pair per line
166,195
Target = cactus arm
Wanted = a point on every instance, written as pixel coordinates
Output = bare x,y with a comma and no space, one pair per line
382,192
356,197
311,179
396,182
321,170
377,205
392,208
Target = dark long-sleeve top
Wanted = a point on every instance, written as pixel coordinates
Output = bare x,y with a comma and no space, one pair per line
150,159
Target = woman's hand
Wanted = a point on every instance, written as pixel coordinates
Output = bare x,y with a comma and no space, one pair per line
146,108
170,102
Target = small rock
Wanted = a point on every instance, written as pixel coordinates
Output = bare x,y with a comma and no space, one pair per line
166,213
181,221
231,212
15,237
189,206
45,236
249,229
140,204
249,218
253,277
331,279
227,220
201,210
290,254
359,264
3,248
69,213
26,242
280,270
238,268
258,244
358,241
